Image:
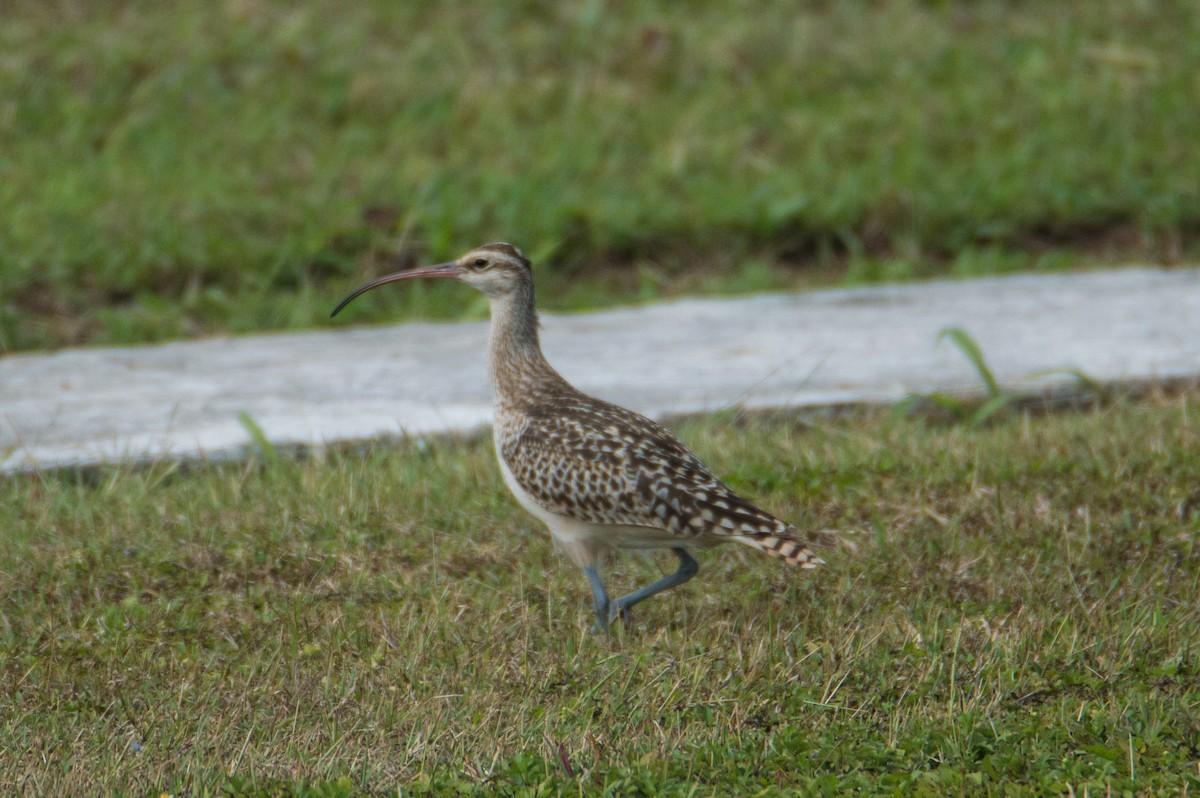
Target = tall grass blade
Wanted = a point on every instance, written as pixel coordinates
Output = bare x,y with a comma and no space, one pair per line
270,454
966,344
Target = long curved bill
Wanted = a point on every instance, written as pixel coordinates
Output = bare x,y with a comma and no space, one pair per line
441,270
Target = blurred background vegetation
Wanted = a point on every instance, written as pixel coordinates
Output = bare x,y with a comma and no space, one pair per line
186,168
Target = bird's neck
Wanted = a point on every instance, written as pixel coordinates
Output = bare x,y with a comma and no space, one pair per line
519,371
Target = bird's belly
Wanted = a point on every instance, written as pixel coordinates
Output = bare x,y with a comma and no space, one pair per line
584,541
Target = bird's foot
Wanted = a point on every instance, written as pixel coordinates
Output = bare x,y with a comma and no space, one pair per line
602,617
606,615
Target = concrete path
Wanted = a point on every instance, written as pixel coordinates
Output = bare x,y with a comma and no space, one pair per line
824,347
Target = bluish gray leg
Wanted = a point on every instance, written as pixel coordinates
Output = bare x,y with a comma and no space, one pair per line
688,567
599,598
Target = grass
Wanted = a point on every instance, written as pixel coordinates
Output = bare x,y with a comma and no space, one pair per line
996,401
1016,615
180,169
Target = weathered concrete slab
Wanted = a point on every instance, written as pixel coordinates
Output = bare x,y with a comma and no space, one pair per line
860,345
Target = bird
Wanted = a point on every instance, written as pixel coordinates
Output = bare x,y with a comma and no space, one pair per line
600,477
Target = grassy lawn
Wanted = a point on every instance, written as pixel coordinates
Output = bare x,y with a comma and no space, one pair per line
175,169
1016,613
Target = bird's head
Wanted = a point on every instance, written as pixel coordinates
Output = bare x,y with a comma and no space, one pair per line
495,269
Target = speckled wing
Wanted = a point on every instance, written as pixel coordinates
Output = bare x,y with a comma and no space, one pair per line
600,463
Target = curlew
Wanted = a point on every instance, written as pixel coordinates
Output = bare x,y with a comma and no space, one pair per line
599,476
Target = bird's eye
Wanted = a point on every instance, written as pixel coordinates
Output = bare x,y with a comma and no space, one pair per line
480,263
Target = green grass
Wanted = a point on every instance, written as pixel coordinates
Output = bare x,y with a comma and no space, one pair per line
192,167
1017,615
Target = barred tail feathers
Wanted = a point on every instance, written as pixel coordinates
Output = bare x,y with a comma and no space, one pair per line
786,548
